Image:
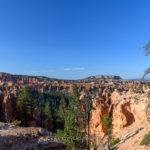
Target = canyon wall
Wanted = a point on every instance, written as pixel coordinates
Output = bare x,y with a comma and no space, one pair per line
126,103
126,108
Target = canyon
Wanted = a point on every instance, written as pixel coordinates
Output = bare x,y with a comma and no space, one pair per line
126,101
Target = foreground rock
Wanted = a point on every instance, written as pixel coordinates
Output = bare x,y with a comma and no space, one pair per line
15,138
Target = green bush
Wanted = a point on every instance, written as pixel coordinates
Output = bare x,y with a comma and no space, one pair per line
112,90
115,141
16,122
148,84
146,140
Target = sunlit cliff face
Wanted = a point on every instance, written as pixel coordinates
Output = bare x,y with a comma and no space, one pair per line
127,107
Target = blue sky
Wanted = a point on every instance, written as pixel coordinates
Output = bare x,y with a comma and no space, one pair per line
73,39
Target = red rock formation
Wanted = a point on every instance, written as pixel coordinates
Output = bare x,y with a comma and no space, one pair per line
127,103
97,116
128,109
8,107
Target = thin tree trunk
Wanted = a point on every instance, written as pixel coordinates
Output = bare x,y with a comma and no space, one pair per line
88,136
108,142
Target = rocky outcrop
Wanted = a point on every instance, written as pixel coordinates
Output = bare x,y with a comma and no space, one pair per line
1,101
102,79
97,116
127,108
8,107
127,137
15,138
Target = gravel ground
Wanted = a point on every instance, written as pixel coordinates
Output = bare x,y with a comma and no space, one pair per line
21,138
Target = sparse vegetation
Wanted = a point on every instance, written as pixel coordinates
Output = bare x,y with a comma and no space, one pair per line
115,141
147,48
2,88
112,90
16,122
146,140
148,84
107,121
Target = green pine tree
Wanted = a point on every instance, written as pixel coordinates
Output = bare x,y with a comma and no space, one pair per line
25,98
26,102
62,108
40,106
48,112
72,134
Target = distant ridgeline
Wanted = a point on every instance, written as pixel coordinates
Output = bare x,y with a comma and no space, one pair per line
101,79
24,79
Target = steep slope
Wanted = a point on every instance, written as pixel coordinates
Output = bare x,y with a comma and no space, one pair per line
128,109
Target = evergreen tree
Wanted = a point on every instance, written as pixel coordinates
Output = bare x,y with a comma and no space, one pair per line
48,112
25,98
107,121
78,119
72,134
26,101
147,52
62,108
84,108
40,105
147,48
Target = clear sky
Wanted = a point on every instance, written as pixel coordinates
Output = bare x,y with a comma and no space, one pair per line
73,39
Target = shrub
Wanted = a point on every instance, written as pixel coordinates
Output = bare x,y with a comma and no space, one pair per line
146,140
148,84
16,122
107,121
112,90
115,141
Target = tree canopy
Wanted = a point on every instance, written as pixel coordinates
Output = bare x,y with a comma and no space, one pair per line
48,112
25,98
147,52
147,48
